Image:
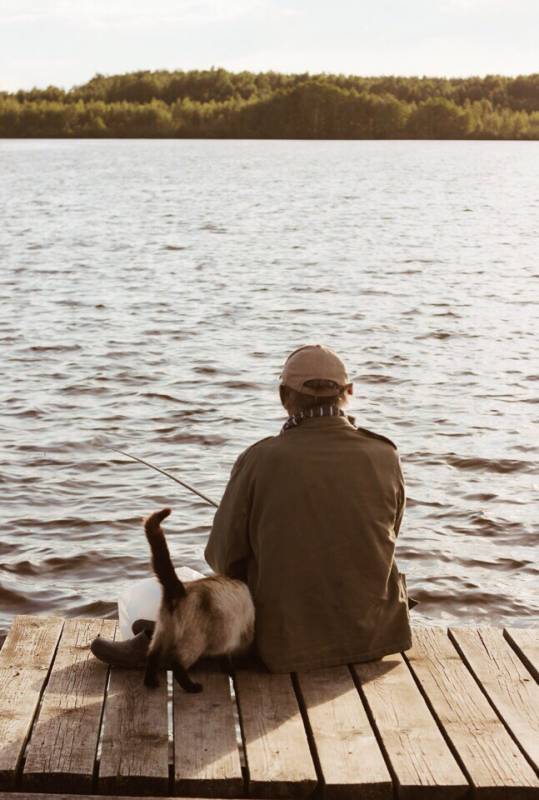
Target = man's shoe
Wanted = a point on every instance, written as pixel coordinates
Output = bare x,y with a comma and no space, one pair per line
130,654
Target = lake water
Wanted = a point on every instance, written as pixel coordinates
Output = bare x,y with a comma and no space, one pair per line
151,290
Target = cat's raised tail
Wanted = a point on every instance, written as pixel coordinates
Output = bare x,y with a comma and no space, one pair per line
173,588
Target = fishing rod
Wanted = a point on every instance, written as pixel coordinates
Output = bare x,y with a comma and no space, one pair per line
168,475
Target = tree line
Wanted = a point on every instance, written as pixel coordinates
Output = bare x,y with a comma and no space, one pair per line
219,104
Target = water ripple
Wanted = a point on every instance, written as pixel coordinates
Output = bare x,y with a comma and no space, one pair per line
161,328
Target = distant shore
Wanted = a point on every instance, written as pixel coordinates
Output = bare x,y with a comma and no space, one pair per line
227,105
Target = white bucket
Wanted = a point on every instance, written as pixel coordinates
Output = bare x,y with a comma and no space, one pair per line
141,600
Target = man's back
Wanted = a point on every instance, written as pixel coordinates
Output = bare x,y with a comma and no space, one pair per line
313,514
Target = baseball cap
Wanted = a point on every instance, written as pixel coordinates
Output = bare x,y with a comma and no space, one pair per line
314,362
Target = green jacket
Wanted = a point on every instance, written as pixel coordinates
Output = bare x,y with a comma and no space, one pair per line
309,518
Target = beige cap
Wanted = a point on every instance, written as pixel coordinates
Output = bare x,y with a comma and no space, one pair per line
314,362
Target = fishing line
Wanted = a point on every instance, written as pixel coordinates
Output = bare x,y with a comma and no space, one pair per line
168,475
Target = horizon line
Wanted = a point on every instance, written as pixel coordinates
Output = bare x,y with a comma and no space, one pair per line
308,73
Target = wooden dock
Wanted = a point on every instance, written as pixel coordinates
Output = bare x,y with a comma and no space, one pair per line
455,716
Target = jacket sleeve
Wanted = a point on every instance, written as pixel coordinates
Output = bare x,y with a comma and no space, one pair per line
401,499
228,548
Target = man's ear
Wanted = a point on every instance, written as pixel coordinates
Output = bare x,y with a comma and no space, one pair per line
350,388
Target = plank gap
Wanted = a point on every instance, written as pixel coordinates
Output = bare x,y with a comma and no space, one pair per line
99,746
95,776
206,754
309,731
97,756
520,653
377,735
100,737
237,726
61,753
22,761
441,728
278,753
134,758
490,755
170,730
498,660
244,761
491,701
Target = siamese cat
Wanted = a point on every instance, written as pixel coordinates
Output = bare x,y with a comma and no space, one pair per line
206,617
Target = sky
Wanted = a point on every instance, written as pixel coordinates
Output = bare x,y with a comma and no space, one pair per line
66,42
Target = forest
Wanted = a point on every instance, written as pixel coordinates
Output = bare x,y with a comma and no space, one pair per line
216,103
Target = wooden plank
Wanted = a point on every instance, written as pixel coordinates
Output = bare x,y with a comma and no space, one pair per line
51,796
25,660
206,756
421,762
508,684
526,643
134,745
61,753
350,759
490,756
277,751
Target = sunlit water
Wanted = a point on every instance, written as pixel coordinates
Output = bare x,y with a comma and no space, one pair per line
150,291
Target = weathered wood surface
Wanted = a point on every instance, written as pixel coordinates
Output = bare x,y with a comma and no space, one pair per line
61,753
25,660
491,758
460,707
134,751
526,643
420,759
279,762
52,796
350,759
206,756
506,681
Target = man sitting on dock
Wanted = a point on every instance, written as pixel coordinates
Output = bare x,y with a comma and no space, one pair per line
309,520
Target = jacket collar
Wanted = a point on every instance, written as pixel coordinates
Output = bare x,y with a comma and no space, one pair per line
316,413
